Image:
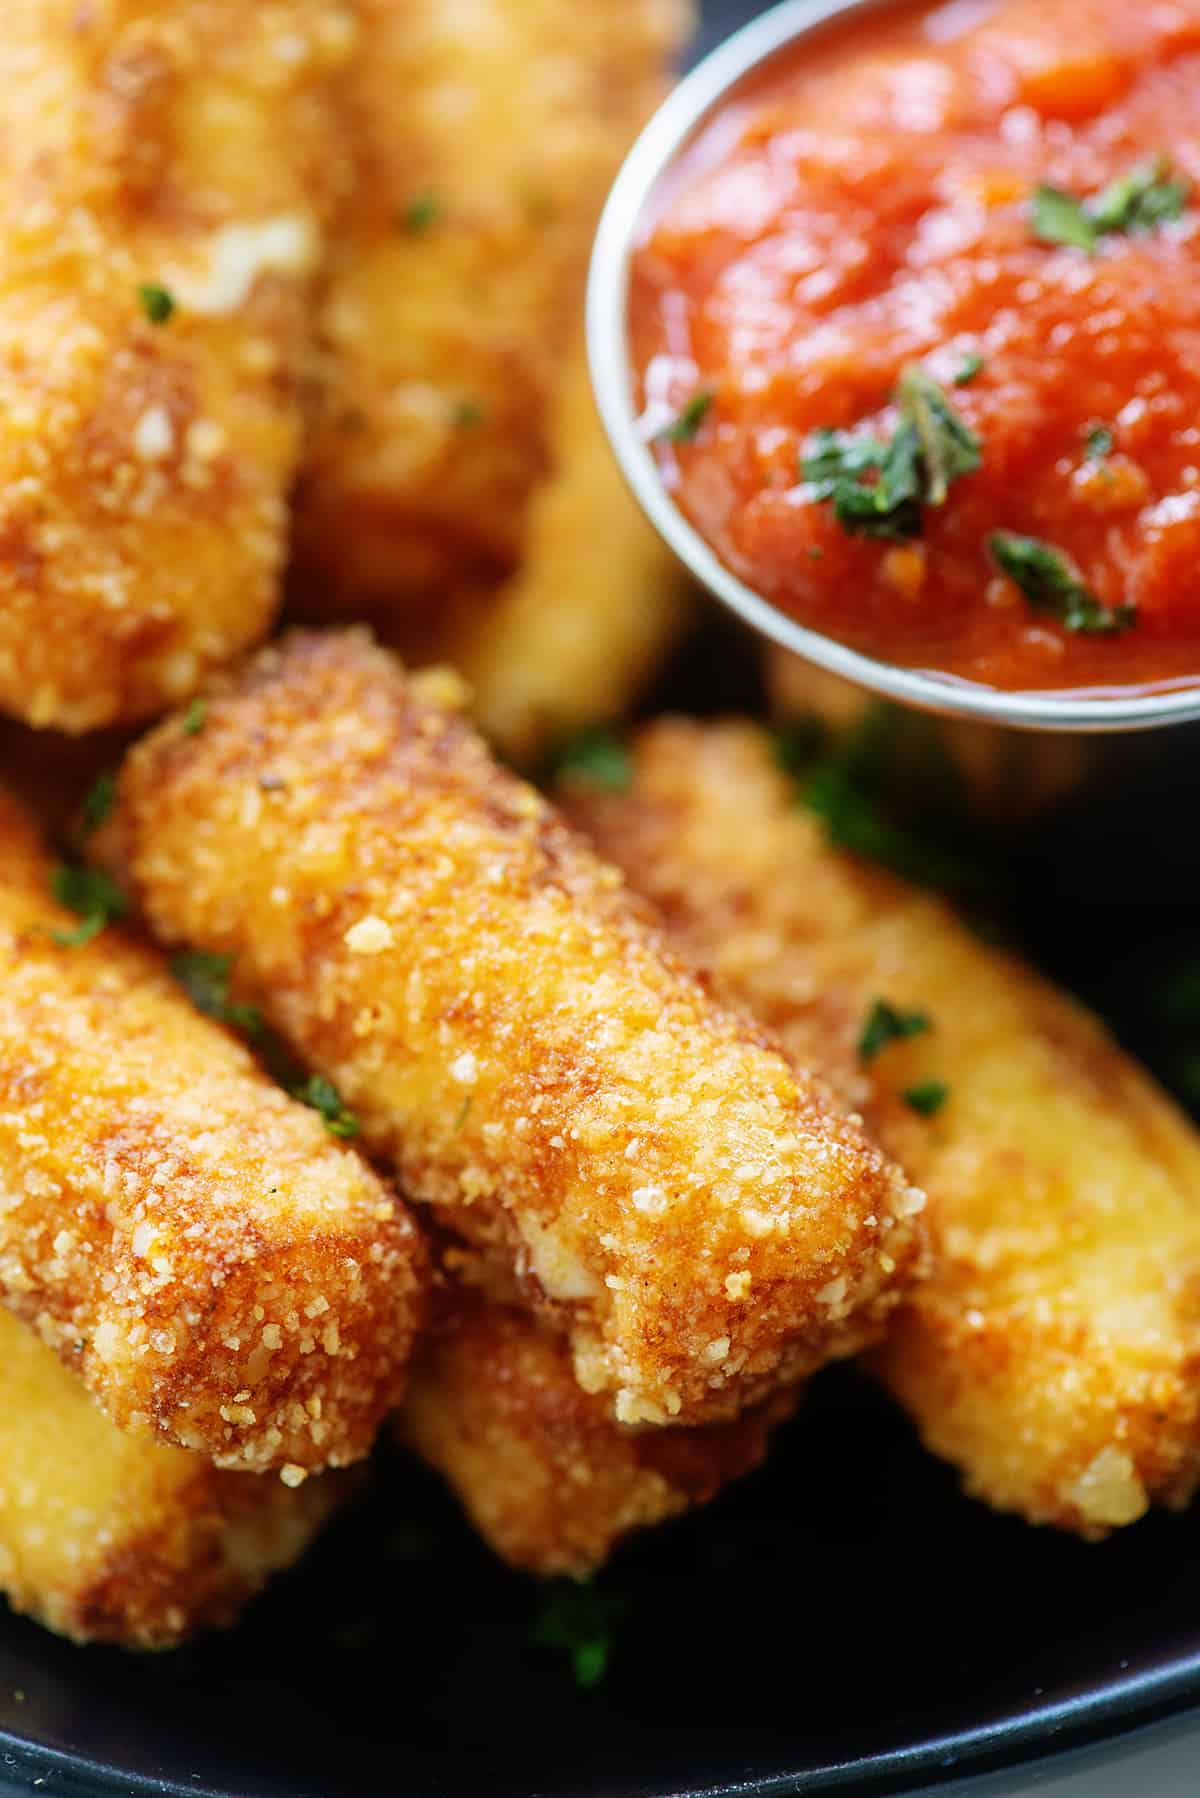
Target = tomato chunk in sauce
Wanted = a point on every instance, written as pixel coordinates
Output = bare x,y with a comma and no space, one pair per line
1004,197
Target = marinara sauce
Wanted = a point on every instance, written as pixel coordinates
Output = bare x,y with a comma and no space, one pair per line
1003,196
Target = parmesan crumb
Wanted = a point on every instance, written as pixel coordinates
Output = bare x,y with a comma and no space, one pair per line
370,936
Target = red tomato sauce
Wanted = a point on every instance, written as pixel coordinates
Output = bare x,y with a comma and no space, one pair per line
866,204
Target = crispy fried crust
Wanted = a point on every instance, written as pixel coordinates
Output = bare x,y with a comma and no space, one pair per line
1053,1355
108,1537
445,329
551,1483
594,607
184,1234
513,1034
144,468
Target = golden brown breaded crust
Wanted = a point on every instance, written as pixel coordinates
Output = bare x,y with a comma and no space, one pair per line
596,604
108,1537
513,1034
145,467
551,1483
187,1237
1053,1354
490,131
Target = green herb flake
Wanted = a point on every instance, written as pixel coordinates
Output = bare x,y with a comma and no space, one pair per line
95,899
596,758
98,803
156,303
949,448
468,415
423,211
1144,198
1140,200
686,427
886,790
928,1098
1050,584
194,718
885,1024
580,1622
877,488
1060,218
1098,443
323,1096
972,364
205,980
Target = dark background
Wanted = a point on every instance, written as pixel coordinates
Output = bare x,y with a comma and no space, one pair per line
846,1606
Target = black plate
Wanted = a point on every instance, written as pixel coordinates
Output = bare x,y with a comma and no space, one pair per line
843,1620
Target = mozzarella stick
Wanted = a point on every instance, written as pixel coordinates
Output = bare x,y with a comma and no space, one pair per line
1052,1354
489,136
595,606
107,1537
166,173
512,1033
189,1238
551,1483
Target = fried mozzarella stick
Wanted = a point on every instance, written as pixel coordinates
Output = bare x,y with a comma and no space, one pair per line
107,1537
490,133
598,600
166,173
1052,1354
184,1234
513,1035
551,1483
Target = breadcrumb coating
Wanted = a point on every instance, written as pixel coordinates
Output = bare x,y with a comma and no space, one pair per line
551,1483
576,633
490,131
188,1238
153,157
512,1033
1052,1354
107,1537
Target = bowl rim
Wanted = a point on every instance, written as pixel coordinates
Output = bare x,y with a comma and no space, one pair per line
1042,1735
675,123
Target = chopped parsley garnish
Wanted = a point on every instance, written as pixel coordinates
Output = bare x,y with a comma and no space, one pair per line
98,803
888,791
422,211
323,1096
95,899
1145,197
205,980
579,1621
949,448
972,365
885,1024
1138,201
595,758
686,426
156,303
194,717
1060,218
877,488
1050,584
1098,444
468,413
927,1098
